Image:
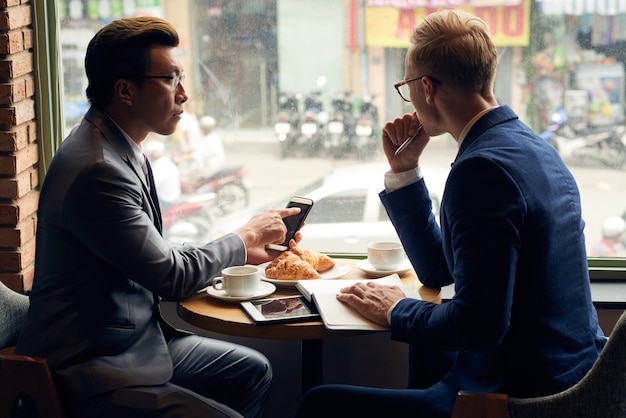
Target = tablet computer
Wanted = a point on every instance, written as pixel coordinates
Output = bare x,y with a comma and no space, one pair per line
280,310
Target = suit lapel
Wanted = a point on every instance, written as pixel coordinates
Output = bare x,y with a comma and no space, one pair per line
113,135
148,189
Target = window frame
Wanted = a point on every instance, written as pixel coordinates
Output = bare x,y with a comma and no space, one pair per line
48,72
50,117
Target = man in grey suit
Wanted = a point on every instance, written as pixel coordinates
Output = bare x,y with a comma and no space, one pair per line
102,265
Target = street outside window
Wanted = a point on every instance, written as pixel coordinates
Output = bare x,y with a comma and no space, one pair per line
284,95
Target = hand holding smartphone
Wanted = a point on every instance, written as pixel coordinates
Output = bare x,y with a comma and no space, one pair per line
295,222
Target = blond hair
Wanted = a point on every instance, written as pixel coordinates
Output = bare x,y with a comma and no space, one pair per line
455,47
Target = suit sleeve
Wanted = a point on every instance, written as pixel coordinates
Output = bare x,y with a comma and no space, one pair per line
483,211
106,209
410,211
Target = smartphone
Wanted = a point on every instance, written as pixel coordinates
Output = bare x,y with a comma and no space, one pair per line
295,222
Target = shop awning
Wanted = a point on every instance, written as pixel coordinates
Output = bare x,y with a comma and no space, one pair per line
582,7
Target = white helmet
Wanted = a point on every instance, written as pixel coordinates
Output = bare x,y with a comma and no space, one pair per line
613,227
207,122
154,148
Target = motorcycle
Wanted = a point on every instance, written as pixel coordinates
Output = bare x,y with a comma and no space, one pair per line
229,187
340,128
313,123
366,130
287,123
606,144
190,219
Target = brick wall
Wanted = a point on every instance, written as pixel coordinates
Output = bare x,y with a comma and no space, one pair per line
19,148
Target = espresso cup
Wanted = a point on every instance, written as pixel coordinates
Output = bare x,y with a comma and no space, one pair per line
385,256
239,281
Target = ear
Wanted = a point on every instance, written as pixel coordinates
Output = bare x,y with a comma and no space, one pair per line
429,89
123,90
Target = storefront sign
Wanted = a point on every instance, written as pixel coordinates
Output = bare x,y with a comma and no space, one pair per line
411,4
148,3
579,7
390,27
149,8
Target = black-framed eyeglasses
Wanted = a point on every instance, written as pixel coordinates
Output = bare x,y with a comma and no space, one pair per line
175,80
402,87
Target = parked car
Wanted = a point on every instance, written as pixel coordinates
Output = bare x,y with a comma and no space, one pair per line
347,213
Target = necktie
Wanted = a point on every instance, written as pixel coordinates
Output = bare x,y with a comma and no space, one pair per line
147,171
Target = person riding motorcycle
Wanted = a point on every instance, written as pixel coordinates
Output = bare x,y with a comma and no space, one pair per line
209,157
165,171
613,229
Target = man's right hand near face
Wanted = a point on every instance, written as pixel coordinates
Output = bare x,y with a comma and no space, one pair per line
395,133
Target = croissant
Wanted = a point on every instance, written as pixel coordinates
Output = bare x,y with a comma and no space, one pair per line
288,266
320,262
298,264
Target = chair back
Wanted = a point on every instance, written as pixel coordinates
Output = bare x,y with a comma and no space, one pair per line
27,384
13,307
600,394
481,405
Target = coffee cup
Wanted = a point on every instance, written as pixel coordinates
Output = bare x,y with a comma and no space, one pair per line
385,255
238,281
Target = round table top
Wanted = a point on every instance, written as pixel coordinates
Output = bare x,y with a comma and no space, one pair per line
228,318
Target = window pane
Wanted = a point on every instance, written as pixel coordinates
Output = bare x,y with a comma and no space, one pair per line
348,206
289,92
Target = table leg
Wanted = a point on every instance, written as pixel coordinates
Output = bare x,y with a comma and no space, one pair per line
312,364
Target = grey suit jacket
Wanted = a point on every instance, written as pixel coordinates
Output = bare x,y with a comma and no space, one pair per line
101,266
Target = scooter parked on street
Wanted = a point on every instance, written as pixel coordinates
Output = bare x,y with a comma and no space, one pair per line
604,144
190,219
228,185
312,125
287,126
366,131
340,129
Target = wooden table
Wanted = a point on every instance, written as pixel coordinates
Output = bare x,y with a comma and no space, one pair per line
227,318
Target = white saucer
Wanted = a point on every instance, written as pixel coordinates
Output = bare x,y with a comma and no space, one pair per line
365,266
339,270
264,289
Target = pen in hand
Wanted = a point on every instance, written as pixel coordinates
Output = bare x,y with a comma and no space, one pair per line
408,141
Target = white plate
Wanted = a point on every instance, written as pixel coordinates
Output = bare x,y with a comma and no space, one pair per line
340,269
365,266
264,289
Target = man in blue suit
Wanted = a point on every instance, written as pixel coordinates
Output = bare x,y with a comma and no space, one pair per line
511,240
102,265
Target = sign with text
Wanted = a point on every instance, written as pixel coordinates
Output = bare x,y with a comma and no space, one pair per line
390,27
411,4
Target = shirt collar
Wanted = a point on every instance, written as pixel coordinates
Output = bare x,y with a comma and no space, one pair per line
138,153
471,123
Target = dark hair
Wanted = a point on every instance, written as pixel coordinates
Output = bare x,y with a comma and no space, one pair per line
121,49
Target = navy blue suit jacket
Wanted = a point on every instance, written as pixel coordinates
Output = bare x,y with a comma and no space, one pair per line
101,266
511,239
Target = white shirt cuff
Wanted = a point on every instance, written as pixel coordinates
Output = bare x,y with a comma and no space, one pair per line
395,181
390,310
